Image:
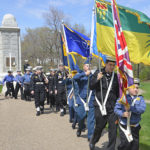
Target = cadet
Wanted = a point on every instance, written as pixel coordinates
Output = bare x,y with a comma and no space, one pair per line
38,89
18,79
51,87
70,98
135,109
105,113
47,89
91,115
26,65
26,84
82,78
60,90
9,84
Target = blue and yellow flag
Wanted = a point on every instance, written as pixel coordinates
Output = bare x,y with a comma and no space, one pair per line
78,43
63,50
68,59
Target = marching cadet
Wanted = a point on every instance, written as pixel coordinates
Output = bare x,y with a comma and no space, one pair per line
82,79
18,80
105,84
60,90
9,79
47,90
91,115
136,107
51,87
26,84
38,89
70,98
33,74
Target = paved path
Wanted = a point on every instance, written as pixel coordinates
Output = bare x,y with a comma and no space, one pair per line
20,129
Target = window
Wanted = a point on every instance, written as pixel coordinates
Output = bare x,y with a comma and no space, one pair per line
13,62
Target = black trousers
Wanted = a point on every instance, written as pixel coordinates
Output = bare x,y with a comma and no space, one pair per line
61,100
52,99
101,122
125,145
27,92
39,95
47,97
18,86
10,89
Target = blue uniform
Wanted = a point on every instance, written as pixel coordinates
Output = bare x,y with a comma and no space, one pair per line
9,84
18,78
82,81
70,101
136,110
8,78
26,83
91,116
19,81
26,78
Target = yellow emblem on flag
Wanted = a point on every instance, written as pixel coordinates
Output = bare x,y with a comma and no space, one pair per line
102,10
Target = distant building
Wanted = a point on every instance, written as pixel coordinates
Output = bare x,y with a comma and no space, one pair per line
10,45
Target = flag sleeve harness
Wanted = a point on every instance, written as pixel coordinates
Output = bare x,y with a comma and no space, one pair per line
102,106
127,131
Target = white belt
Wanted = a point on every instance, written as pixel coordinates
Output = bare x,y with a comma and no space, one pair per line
39,83
60,82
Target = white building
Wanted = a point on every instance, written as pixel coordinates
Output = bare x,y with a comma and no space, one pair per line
10,46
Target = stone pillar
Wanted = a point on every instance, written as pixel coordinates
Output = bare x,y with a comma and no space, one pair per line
10,45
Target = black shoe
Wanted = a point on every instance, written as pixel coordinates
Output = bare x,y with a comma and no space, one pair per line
78,133
38,113
92,146
64,111
73,126
62,114
71,121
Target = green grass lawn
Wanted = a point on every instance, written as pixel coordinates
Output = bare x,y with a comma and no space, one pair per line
145,130
146,87
1,88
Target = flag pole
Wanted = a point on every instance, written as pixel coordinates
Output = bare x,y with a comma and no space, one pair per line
68,61
90,55
127,132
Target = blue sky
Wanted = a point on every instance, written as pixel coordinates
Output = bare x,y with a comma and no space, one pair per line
28,13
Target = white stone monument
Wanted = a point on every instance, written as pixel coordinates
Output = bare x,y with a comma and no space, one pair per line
10,46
